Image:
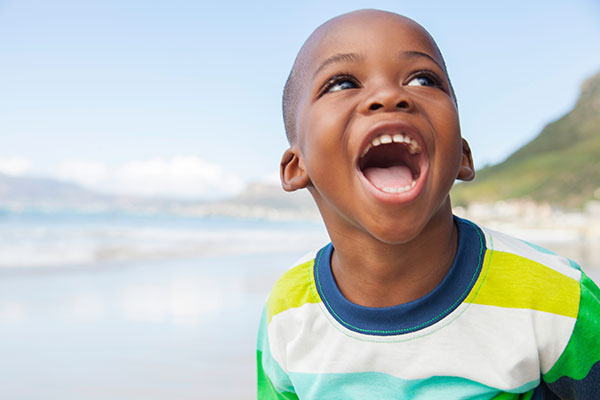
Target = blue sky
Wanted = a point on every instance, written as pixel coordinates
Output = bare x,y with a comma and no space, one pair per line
182,98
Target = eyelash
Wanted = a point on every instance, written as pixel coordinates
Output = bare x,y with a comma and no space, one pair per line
335,80
437,82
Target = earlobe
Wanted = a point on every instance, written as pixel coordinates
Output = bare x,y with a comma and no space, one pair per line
466,171
292,171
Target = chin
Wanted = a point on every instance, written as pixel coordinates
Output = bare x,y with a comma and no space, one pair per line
404,229
395,234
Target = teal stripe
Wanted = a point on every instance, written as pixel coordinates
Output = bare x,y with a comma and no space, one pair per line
526,387
539,248
271,368
572,263
377,386
263,339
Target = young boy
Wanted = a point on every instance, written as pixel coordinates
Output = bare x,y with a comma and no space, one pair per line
408,301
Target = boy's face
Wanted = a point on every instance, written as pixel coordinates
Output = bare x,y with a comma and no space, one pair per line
370,78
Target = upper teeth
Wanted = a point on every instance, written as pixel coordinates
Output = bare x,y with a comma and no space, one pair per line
413,146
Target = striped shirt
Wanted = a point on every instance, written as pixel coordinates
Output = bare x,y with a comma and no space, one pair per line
510,320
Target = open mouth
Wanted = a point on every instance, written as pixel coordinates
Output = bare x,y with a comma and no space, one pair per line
392,162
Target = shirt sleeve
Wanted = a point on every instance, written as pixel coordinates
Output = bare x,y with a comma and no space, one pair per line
272,381
576,374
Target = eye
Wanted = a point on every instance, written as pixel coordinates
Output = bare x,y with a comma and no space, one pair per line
342,85
425,80
339,82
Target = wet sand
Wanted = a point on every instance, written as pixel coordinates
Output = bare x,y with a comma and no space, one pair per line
165,330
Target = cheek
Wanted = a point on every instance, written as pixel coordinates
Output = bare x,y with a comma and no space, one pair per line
445,110
445,121
323,135
448,140
326,154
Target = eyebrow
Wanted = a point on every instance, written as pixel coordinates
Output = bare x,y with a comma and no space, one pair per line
353,57
418,54
338,58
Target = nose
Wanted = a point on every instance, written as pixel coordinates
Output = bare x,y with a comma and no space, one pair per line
387,96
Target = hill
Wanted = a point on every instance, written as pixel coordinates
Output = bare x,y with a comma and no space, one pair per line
257,200
560,166
26,190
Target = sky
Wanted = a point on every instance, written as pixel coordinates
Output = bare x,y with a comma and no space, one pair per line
183,98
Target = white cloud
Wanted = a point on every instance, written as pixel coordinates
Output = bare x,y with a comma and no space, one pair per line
178,176
183,176
14,166
86,173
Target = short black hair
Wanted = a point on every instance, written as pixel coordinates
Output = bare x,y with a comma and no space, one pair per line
290,101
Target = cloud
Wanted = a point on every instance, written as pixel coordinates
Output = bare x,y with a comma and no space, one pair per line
14,166
186,176
86,173
177,177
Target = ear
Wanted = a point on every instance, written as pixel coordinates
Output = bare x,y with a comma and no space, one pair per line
466,171
292,170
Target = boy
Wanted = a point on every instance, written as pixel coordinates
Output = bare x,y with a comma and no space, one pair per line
407,301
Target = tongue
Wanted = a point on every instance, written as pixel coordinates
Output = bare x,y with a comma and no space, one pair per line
393,177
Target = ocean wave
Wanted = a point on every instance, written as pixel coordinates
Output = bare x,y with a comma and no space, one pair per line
67,242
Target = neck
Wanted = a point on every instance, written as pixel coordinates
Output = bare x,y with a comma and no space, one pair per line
378,274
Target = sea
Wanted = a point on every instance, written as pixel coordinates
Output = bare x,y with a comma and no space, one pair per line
116,305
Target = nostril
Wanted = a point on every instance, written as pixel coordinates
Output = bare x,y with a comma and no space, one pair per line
402,104
375,106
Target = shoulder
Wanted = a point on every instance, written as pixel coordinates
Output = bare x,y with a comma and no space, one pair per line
519,274
294,288
551,278
556,299
526,252
525,283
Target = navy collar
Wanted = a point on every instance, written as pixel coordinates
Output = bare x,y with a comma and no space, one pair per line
417,314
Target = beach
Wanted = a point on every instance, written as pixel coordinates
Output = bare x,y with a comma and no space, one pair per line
154,330
141,307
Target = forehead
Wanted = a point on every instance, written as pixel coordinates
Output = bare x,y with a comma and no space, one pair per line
368,33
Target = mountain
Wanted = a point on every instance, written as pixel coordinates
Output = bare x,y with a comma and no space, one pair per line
560,166
26,190
257,200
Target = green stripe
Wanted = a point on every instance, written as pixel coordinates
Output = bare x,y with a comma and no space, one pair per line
583,350
514,396
267,368
265,388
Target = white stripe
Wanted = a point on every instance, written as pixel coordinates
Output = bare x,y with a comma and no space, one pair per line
509,244
500,347
311,255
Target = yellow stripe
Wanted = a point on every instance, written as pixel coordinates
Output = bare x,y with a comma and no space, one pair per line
292,290
512,281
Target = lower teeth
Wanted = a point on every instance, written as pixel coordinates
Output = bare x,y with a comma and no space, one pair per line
398,189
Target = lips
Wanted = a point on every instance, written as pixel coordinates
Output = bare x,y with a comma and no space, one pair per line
393,160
